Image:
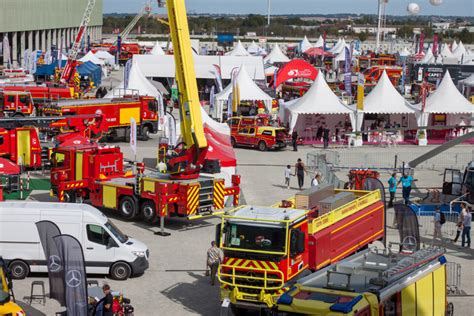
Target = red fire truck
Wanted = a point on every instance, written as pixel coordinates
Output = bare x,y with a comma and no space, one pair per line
21,146
96,173
44,95
268,248
256,132
117,111
16,103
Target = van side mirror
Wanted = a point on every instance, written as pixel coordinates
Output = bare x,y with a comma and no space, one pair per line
218,234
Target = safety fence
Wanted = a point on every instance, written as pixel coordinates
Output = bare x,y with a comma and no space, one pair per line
453,275
390,158
318,162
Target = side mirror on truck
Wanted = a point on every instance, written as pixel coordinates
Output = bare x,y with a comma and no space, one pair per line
297,242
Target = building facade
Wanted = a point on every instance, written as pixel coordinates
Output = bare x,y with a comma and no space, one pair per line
42,24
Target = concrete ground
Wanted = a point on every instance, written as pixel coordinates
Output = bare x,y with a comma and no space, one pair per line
175,283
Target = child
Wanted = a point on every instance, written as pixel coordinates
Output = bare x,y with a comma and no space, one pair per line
287,176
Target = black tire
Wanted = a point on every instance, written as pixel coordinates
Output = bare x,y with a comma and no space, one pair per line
148,212
120,271
18,269
70,197
262,146
233,142
146,132
127,207
450,309
18,114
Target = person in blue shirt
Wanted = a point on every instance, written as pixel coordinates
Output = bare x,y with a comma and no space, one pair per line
392,188
406,181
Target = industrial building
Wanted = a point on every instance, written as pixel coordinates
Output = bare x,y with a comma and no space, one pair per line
41,24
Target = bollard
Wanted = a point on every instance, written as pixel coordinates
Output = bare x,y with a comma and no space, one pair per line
21,189
28,181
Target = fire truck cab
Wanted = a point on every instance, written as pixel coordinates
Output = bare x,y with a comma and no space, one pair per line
373,74
256,132
16,103
267,248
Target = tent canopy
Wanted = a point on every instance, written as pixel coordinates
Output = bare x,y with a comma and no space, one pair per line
105,56
305,44
385,99
92,58
157,50
249,91
91,70
163,66
405,52
255,49
429,58
297,68
8,168
239,50
447,99
319,42
317,51
276,56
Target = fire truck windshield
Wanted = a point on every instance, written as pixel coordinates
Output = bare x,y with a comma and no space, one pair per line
263,238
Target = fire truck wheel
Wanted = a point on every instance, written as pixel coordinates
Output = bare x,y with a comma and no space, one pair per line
70,197
127,207
262,146
146,133
233,142
18,269
149,212
18,114
120,271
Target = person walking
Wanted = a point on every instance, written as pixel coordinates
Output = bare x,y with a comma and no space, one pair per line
214,258
300,170
406,181
294,140
460,222
326,137
438,223
287,176
392,188
466,230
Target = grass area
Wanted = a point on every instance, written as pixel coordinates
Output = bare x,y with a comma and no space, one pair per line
35,184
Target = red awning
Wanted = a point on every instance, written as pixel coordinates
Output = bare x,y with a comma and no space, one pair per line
8,168
297,68
317,51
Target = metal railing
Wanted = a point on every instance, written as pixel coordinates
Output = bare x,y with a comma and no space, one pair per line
453,278
324,164
252,275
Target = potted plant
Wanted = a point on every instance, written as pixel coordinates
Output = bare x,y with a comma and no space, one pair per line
422,140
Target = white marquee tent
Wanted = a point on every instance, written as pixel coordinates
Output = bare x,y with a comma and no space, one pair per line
276,56
319,99
304,45
105,56
163,66
157,50
249,91
239,50
319,42
255,49
92,58
429,58
459,51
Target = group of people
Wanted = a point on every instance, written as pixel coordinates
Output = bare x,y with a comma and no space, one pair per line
322,132
464,226
406,181
300,171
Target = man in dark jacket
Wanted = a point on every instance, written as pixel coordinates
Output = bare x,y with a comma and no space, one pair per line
294,140
326,137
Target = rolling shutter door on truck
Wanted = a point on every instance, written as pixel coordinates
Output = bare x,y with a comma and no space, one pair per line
127,113
23,147
109,196
439,291
79,161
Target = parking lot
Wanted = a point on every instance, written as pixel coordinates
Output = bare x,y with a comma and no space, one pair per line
175,283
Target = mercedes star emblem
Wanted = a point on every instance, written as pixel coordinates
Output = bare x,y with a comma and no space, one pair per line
73,278
54,263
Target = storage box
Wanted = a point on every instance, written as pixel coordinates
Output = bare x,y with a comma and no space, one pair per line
332,202
310,198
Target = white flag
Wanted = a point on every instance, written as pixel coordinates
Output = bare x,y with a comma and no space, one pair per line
133,135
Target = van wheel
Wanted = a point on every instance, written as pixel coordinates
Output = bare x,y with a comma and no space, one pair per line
262,146
232,142
19,269
149,212
146,133
127,207
70,197
120,271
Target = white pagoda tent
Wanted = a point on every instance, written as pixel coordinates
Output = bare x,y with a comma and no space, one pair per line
239,50
317,103
255,49
157,50
276,56
105,56
319,42
92,58
428,58
305,45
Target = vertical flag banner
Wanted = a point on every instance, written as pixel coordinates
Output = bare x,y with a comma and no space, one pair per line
133,135
360,92
72,256
422,43
211,98
6,51
347,72
126,73
235,90
47,230
218,77
435,44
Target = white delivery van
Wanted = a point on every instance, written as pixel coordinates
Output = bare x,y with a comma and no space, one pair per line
106,249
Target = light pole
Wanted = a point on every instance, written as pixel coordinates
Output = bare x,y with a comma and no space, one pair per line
268,12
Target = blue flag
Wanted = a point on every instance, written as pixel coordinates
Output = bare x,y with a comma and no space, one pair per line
347,72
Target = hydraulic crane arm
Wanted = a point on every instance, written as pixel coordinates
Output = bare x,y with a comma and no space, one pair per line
126,31
70,68
192,129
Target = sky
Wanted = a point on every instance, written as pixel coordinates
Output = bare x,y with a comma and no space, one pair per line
395,7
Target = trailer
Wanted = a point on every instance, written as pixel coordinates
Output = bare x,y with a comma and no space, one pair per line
267,248
118,113
374,282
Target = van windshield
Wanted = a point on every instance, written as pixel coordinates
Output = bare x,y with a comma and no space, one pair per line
116,232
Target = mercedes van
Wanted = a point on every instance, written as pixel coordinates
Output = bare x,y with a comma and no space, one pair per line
106,249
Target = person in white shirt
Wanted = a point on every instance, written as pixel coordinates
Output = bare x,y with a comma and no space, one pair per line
316,180
287,176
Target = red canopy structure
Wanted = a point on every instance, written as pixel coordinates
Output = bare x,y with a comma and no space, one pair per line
297,68
317,51
8,168
219,147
